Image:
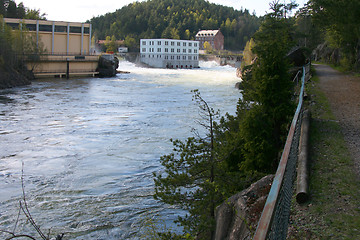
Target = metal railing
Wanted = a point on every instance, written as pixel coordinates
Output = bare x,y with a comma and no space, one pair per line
273,223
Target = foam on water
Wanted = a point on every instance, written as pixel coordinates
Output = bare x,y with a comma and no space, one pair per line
90,146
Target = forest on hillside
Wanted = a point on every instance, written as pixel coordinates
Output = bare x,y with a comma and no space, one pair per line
177,20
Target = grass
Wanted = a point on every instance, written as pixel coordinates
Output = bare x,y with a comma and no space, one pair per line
333,211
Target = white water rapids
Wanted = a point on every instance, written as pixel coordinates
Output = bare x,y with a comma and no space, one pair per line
89,147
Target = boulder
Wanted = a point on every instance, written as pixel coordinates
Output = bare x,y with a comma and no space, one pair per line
238,217
108,65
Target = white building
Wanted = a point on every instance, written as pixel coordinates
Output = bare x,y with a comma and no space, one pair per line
169,53
123,50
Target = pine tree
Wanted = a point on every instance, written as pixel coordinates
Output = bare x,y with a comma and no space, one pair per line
269,87
196,178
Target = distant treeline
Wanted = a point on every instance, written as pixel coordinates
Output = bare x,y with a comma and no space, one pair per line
177,20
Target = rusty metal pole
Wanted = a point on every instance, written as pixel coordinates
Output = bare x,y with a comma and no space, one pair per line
67,68
302,187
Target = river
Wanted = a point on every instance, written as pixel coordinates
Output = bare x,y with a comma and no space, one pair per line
88,147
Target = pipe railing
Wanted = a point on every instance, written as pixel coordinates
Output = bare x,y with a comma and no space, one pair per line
273,222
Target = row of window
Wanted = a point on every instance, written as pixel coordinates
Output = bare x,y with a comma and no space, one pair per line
171,50
185,44
49,28
205,39
171,57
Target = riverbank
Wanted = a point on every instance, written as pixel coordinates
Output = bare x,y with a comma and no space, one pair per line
11,78
333,209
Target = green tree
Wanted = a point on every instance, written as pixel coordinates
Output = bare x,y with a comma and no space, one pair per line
34,14
340,19
130,42
174,33
110,44
11,11
308,34
187,34
195,176
248,55
269,87
16,46
20,11
208,47
2,7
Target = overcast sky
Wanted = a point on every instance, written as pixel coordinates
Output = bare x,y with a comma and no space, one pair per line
82,10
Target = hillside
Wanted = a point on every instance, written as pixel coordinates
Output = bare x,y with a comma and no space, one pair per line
177,20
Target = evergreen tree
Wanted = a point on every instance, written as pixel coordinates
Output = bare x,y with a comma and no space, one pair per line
196,178
20,11
2,8
266,107
11,11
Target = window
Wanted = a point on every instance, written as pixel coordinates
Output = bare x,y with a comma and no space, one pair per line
159,43
48,28
189,50
189,57
73,29
60,29
144,43
190,44
195,44
144,50
153,43
184,44
166,43
184,50
86,30
172,44
184,57
13,25
159,50
178,50
32,27
172,50
178,43
166,50
195,50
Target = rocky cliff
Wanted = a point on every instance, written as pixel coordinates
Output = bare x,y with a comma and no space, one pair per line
238,217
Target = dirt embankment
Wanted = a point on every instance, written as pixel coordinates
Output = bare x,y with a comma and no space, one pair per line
12,78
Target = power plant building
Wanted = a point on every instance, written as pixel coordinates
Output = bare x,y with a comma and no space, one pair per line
169,53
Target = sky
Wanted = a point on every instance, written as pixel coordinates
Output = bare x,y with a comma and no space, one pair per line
82,10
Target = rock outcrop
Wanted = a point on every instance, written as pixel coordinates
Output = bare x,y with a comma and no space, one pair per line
108,65
238,217
323,52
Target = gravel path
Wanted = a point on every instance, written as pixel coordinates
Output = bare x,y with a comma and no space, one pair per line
343,93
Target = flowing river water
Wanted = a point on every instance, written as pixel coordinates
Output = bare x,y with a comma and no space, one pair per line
88,147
